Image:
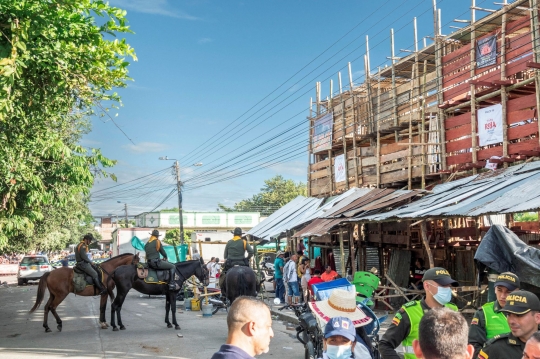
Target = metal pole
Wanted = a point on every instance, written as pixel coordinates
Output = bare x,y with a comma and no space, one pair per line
179,188
125,209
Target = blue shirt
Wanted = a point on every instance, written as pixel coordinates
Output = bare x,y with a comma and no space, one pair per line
231,352
277,264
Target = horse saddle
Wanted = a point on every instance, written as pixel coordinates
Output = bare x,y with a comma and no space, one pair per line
81,279
157,276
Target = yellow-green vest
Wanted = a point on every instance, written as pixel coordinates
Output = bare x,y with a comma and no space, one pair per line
496,323
415,312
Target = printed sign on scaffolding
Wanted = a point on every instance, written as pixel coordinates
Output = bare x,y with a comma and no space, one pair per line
322,133
486,51
339,168
490,129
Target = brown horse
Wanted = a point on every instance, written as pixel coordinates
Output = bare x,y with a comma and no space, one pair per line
60,284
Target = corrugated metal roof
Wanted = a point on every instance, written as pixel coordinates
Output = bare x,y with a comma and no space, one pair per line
509,191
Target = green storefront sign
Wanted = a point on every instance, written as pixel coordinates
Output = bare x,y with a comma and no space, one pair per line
175,219
242,219
211,219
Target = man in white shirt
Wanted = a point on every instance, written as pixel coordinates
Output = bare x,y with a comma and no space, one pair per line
290,276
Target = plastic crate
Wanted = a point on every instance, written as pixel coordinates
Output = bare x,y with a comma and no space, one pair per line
365,283
322,291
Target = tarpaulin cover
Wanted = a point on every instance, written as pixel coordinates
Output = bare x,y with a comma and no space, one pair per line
171,253
503,251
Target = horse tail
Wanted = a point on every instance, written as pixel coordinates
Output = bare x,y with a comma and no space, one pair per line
41,291
109,279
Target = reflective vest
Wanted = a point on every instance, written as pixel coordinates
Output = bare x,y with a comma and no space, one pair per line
415,312
496,323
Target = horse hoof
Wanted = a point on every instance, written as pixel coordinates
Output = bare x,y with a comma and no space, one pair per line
169,325
177,327
104,325
115,329
48,330
122,328
59,328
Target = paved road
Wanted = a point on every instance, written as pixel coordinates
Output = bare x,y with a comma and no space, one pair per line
22,334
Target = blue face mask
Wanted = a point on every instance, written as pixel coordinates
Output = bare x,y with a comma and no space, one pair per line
443,296
338,351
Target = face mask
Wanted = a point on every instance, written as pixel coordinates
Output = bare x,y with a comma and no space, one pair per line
338,351
443,296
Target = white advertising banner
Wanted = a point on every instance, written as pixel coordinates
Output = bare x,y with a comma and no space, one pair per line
339,168
490,130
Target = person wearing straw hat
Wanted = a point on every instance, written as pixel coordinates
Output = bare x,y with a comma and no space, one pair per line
342,303
488,322
404,327
522,310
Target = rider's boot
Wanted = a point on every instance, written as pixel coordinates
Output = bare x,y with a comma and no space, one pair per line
172,283
101,288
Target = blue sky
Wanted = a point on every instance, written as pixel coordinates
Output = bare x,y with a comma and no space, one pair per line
203,64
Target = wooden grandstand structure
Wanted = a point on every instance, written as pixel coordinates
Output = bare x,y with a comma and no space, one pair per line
414,123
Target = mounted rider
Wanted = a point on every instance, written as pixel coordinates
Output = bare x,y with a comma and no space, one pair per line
235,251
153,249
84,263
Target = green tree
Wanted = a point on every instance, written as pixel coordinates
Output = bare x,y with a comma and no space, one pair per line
276,193
58,67
526,217
172,236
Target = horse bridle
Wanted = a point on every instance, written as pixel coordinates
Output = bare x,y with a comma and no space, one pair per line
205,271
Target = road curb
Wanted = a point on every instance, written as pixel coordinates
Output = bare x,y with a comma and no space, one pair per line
284,317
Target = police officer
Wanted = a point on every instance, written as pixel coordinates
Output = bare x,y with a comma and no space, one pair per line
85,264
488,321
522,310
404,327
153,249
235,251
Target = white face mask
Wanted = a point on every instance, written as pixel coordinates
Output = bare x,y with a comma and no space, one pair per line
338,351
443,296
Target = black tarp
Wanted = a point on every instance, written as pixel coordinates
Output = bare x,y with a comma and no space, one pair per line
503,251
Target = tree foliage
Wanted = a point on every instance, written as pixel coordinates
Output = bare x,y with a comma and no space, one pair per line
57,67
172,236
276,193
526,217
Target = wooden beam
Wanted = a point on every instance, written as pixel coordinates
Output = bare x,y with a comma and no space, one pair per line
425,241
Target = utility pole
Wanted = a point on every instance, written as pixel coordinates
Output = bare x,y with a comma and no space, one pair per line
125,209
179,188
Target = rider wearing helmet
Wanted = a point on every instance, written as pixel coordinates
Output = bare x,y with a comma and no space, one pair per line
153,249
235,251
85,264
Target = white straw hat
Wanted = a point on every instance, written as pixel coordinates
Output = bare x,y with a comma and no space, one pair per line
341,303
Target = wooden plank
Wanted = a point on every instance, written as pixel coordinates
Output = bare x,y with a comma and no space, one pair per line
455,78
527,145
394,166
459,159
521,103
394,147
518,46
456,92
320,165
518,116
518,24
394,156
522,131
463,119
367,151
463,63
319,174
489,76
458,132
486,153
454,55
369,161
518,66
463,232
399,176
458,145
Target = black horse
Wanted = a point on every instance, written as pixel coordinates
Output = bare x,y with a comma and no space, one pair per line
239,281
125,278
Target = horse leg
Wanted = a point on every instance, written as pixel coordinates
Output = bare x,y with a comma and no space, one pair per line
172,299
167,309
116,308
102,310
56,302
46,313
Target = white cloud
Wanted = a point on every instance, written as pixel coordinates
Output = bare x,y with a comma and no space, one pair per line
155,7
205,40
144,147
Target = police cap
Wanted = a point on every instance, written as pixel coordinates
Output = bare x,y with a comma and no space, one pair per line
508,280
440,276
521,302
